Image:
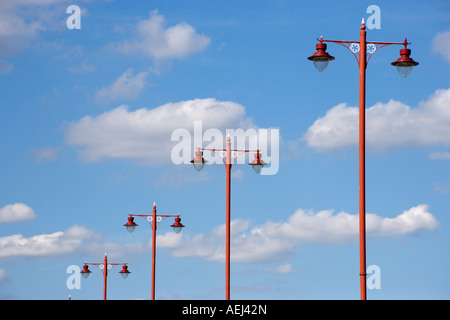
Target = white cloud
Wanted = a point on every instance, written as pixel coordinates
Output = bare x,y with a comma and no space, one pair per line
5,66
326,227
2,275
53,244
77,239
15,31
441,187
44,154
441,44
16,212
274,241
271,241
158,42
126,86
440,156
389,125
168,240
22,20
145,134
237,174
83,67
282,269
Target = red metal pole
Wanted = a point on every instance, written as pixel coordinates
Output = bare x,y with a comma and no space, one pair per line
105,274
362,161
227,241
153,251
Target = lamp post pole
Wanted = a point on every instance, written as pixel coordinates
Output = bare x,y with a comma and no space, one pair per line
153,250
154,219
228,158
228,221
404,66
105,275
362,162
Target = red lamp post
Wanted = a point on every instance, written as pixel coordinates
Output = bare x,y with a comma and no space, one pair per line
105,266
154,219
404,66
228,159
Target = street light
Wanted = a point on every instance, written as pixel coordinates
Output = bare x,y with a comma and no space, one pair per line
177,226
198,161
85,272
154,219
105,266
404,66
257,164
131,225
228,159
321,57
124,272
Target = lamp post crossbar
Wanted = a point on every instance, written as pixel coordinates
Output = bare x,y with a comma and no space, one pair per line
159,217
371,46
234,153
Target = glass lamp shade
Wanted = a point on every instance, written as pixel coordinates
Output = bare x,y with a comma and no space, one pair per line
257,168
177,229
131,225
198,165
404,71
320,65
124,272
85,272
177,226
321,58
404,64
198,161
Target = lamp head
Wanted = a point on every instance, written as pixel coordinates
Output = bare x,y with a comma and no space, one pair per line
131,225
405,64
257,164
321,56
177,225
85,272
124,272
198,161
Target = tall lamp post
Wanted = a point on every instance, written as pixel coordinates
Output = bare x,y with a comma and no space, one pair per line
228,156
154,219
404,66
104,266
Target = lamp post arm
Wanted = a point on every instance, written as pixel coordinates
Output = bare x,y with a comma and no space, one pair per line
234,153
371,46
159,217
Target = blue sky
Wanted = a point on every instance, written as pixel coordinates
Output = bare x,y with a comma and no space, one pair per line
86,122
